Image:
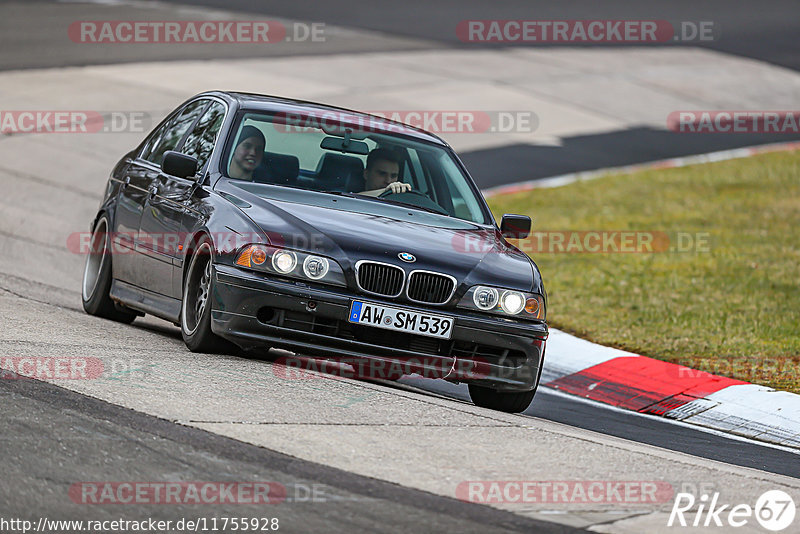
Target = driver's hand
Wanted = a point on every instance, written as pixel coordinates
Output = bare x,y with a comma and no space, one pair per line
398,187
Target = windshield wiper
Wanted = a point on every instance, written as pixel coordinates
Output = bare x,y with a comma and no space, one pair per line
343,194
415,206
395,202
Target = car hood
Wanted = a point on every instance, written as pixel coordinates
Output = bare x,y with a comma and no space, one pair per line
350,229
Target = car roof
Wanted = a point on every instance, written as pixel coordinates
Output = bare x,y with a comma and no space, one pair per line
259,102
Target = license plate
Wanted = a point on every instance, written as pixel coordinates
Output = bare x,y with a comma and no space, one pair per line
401,320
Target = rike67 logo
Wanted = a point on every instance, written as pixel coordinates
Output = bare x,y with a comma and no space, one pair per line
774,510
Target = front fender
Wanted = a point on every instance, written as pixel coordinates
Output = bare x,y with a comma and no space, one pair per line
227,226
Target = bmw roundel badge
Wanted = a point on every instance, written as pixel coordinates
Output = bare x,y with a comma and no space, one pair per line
406,257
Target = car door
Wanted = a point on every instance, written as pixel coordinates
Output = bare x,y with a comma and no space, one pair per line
200,143
160,228
155,231
135,187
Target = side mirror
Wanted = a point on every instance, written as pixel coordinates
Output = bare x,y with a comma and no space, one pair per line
180,165
515,226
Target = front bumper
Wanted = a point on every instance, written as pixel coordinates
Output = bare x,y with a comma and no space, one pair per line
256,310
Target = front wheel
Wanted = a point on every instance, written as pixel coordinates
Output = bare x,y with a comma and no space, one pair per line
503,401
196,304
97,278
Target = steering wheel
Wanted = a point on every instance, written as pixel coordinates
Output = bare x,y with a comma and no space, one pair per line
410,192
415,198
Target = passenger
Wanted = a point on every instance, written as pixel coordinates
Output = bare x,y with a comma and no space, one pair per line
382,173
248,153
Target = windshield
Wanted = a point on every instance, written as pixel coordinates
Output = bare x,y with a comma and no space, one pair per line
360,160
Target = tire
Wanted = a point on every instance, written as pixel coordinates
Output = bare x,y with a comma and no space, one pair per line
97,278
511,402
196,304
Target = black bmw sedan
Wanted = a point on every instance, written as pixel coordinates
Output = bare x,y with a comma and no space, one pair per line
255,222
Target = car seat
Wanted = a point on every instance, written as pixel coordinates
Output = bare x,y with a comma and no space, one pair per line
337,172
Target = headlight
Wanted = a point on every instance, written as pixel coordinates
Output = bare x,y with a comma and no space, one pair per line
315,267
512,302
291,263
284,261
485,298
504,302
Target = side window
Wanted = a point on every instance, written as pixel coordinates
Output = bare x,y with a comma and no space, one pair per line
154,139
168,137
200,141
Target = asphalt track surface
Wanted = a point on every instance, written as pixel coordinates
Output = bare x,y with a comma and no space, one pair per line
52,436
597,417
764,30
767,33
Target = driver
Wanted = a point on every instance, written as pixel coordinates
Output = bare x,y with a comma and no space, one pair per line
248,153
382,173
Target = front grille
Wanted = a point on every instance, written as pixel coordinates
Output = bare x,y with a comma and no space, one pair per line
380,278
430,288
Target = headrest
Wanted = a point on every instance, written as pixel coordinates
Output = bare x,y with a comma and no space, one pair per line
281,169
336,171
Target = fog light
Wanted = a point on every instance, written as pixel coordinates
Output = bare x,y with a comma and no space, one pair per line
284,261
315,267
485,298
512,302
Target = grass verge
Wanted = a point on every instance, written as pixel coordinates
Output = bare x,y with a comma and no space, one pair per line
721,290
